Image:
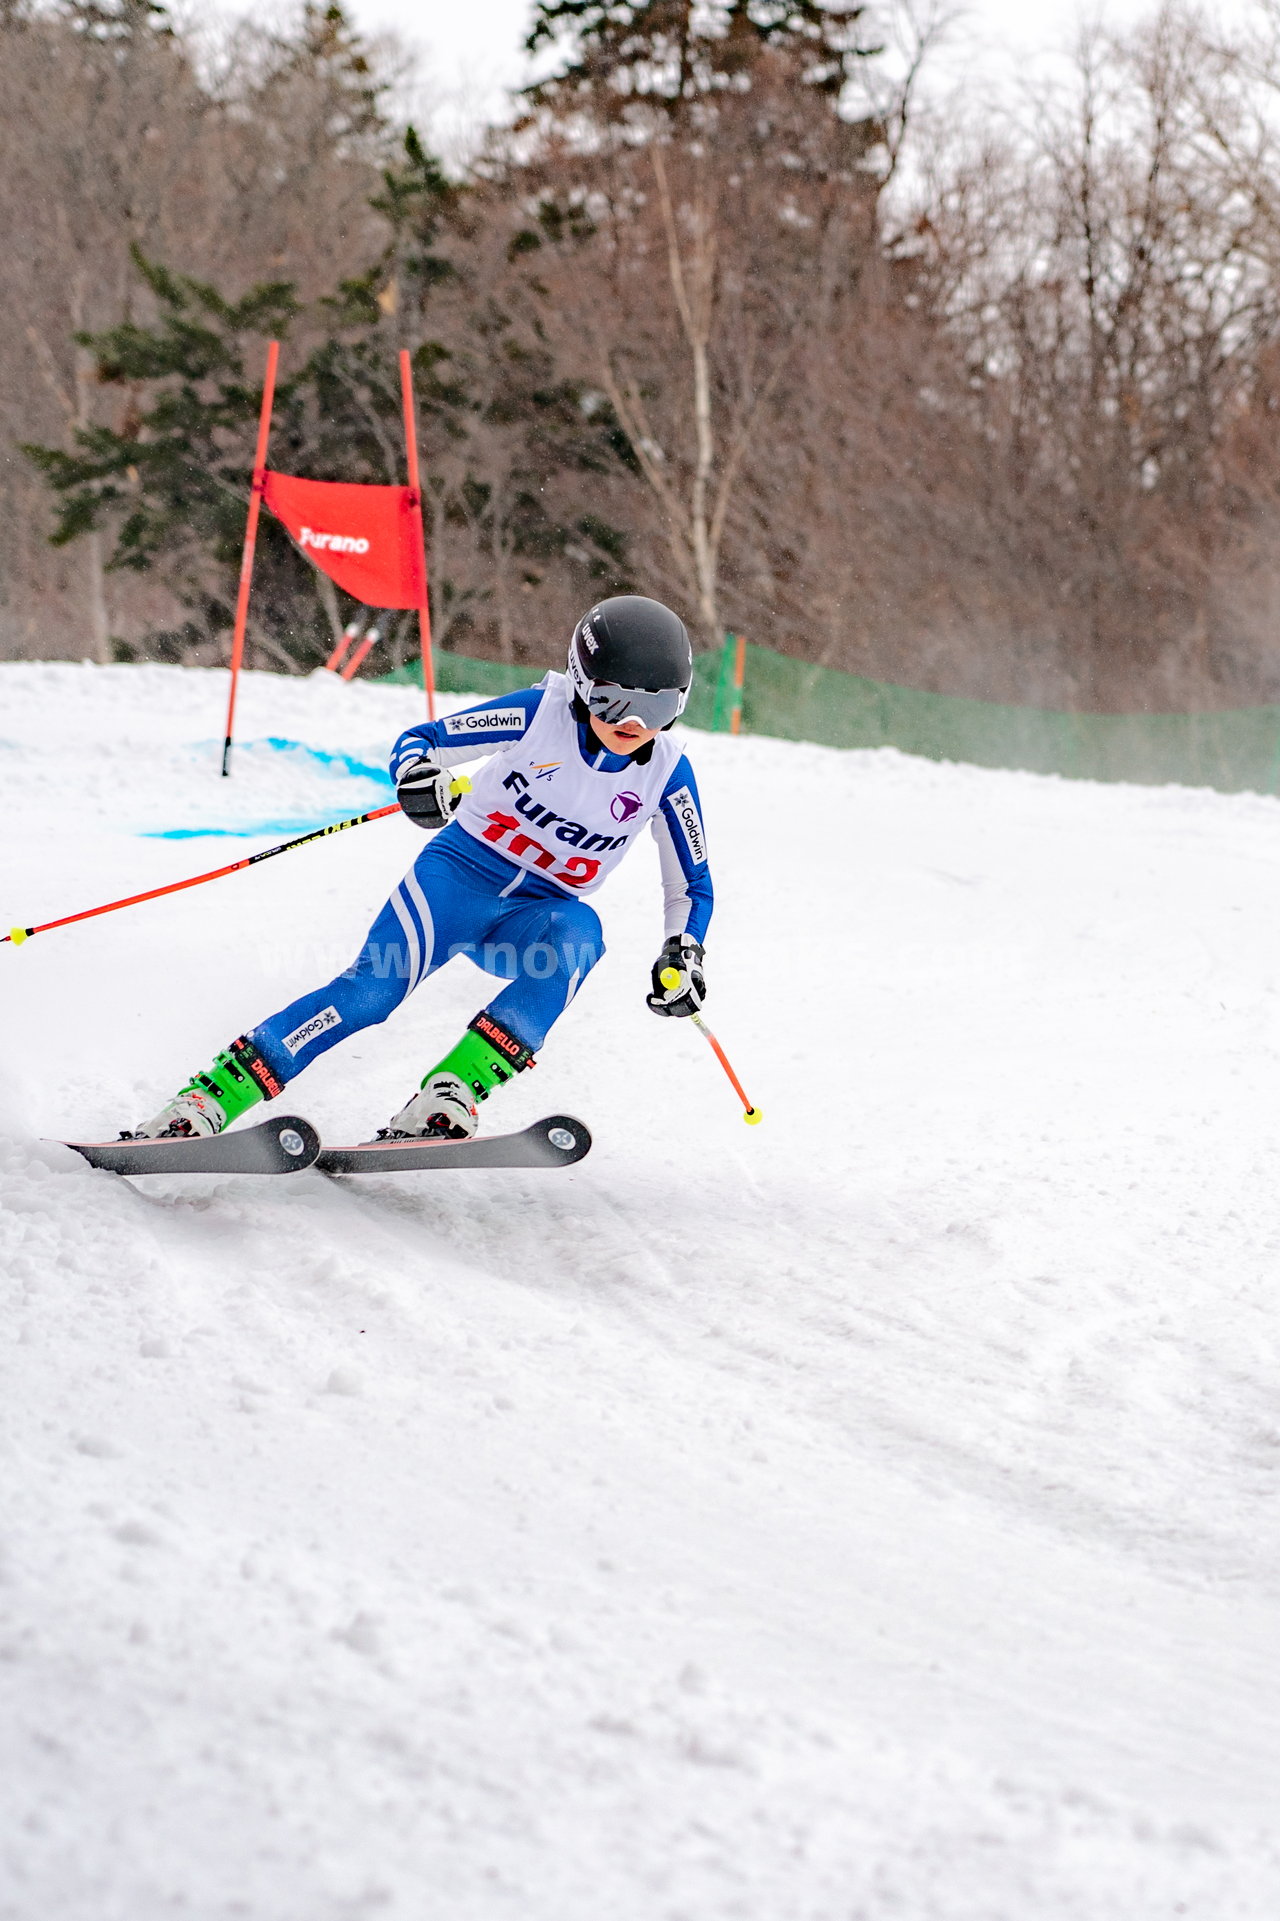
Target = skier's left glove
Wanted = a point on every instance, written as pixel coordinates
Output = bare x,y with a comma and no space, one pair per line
683,957
428,794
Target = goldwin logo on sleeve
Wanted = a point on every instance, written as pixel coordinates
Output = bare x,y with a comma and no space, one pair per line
685,809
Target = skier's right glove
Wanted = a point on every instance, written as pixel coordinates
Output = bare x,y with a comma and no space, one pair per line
426,793
679,984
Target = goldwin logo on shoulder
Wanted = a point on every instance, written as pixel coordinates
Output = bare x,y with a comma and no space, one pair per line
494,720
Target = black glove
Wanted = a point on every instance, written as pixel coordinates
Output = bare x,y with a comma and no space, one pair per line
425,793
681,956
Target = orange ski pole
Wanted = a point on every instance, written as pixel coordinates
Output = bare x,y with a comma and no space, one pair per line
750,1114
19,934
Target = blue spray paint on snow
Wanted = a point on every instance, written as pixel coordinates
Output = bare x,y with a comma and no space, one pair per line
339,765
336,766
254,830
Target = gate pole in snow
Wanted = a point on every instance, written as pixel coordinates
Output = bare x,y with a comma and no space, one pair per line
250,541
739,675
350,634
356,661
415,487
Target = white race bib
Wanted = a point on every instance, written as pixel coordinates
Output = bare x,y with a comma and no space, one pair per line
542,807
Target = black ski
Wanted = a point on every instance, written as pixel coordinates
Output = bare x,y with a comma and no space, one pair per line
557,1141
284,1145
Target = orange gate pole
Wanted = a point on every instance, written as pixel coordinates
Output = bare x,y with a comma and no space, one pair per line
415,489
739,675
250,542
350,634
356,661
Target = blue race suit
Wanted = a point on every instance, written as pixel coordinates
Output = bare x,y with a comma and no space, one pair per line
461,896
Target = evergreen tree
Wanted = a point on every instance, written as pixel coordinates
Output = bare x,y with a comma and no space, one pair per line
325,51
170,481
501,428
675,52
719,146
503,423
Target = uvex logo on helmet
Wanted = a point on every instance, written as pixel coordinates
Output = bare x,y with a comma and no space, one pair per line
631,657
334,543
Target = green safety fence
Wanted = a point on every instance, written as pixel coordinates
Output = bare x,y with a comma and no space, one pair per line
1235,751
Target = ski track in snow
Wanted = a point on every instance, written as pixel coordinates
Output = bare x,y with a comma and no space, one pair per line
868,1515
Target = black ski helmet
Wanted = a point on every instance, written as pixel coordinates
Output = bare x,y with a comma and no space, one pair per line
631,656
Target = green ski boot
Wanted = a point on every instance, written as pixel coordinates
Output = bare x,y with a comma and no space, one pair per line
238,1079
445,1107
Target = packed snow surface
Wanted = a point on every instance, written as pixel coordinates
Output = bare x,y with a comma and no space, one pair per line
870,1514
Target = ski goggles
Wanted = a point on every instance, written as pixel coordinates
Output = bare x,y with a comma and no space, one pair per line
652,706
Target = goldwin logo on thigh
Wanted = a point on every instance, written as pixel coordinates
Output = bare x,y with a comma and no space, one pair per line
318,1024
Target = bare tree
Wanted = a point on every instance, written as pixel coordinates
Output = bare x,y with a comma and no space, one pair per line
1097,271
111,136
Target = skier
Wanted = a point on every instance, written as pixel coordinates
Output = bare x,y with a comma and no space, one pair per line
578,765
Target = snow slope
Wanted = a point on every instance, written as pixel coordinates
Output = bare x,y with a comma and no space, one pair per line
868,1515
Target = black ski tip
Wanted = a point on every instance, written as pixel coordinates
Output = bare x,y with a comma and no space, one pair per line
285,1144
567,1140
